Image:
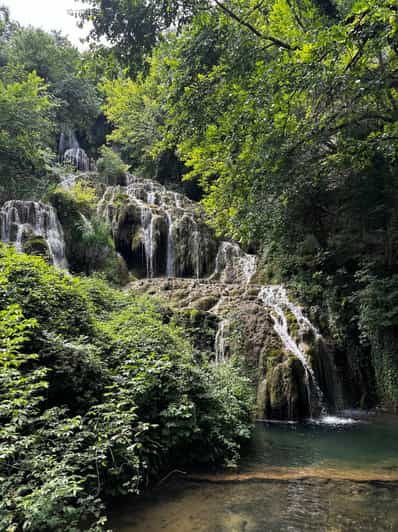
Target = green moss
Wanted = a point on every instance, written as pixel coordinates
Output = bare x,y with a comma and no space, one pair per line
36,246
206,303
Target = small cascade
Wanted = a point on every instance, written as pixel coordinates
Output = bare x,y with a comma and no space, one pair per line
77,158
221,341
233,264
70,152
22,220
276,299
170,266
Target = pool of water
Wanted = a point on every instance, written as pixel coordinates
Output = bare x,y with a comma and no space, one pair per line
334,475
352,442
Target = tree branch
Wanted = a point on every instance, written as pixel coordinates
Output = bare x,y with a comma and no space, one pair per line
275,41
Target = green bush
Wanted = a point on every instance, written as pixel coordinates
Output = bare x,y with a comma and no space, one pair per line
89,244
111,168
99,392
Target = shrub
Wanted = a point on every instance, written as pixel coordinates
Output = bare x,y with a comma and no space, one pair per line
111,167
99,391
89,245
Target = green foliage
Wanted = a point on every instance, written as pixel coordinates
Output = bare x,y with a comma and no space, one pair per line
98,394
111,167
59,64
44,92
25,126
378,320
89,243
133,27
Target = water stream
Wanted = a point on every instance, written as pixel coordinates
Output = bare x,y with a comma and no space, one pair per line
276,299
334,475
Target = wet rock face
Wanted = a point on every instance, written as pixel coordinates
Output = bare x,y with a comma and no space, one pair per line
33,227
241,326
159,232
162,233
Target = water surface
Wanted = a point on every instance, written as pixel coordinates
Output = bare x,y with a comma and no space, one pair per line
336,476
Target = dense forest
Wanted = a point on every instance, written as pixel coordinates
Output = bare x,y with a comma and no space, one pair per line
279,120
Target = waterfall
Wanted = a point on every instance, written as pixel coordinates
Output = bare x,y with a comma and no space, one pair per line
21,220
221,341
70,151
233,264
169,228
276,299
161,233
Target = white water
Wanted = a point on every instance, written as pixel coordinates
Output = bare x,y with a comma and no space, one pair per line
220,342
170,265
276,299
147,226
70,151
233,264
21,219
335,421
77,158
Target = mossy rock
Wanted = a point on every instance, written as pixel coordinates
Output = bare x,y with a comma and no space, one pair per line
285,392
200,326
137,240
205,303
36,245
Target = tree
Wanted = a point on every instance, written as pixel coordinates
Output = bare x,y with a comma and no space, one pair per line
26,124
59,64
134,27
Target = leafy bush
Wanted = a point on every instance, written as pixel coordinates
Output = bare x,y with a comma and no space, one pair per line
111,167
99,392
89,245
26,122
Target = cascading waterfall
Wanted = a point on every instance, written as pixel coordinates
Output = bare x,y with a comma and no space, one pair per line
276,299
169,229
70,151
21,220
161,233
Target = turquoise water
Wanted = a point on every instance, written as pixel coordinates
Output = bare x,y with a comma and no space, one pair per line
348,483
356,442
